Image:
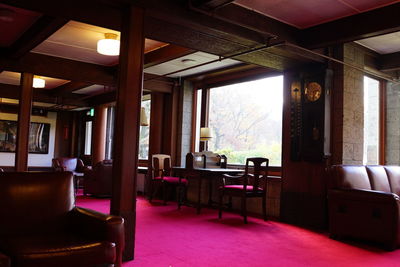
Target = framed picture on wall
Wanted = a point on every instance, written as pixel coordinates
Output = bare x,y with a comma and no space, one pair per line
38,137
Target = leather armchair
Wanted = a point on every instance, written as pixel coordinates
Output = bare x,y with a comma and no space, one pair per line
98,180
73,165
41,225
364,203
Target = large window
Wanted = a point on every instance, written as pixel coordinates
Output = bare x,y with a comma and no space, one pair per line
144,131
371,121
246,120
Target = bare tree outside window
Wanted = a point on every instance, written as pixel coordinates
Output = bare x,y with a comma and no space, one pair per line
246,120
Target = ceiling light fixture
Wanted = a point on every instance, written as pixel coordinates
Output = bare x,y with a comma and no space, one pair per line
108,46
38,82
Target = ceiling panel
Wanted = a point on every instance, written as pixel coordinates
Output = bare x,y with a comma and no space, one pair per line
14,22
189,61
383,44
78,41
306,13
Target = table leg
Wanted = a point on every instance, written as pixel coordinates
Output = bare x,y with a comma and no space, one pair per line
199,195
210,202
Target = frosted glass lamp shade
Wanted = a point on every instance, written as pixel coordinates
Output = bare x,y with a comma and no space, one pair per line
108,46
38,82
143,118
205,134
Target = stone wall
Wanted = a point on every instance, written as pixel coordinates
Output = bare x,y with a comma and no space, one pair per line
392,124
353,106
185,127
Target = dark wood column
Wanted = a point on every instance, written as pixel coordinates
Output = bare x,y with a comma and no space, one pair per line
126,136
99,134
205,101
24,119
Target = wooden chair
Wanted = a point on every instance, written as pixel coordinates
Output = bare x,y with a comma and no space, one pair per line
252,184
161,176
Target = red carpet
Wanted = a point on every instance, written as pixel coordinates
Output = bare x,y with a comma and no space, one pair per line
168,237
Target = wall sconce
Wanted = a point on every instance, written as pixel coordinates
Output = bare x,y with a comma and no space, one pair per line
143,117
108,46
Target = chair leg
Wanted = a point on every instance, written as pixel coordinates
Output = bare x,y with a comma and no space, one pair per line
151,191
264,208
164,193
221,196
244,209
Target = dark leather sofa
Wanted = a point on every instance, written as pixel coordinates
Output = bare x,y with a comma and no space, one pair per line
98,180
41,226
364,203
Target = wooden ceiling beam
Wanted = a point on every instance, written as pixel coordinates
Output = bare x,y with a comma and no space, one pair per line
165,54
68,88
211,4
43,28
94,12
364,25
172,22
389,62
55,67
41,95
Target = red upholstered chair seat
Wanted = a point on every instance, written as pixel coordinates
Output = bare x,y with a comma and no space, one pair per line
53,250
172,180
240,187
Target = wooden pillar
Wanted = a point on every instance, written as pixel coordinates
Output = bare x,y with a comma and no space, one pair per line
126,135
99,134
205,101
24,119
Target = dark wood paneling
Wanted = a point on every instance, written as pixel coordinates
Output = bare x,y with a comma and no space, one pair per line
64,134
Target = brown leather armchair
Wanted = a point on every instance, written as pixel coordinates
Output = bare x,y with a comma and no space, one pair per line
364,203
98,180
41,226
73,165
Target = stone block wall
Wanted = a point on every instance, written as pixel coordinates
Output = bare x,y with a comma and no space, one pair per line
392,124
353,106
184,129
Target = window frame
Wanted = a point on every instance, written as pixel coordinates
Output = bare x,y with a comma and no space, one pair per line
224,80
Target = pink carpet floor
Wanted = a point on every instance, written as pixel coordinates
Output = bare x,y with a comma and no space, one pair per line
168,237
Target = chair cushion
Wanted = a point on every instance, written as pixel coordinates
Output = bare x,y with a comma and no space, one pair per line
350,177
172,180
240,187
56,250
378,178
393,173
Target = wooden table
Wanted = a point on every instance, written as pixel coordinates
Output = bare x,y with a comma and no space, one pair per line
208,174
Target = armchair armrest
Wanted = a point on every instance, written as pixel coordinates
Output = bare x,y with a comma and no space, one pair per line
95,224
363,195
365,214
4,260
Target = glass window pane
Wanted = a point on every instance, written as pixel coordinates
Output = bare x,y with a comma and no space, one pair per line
144,133
371,121
198,117
246,120
88,138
